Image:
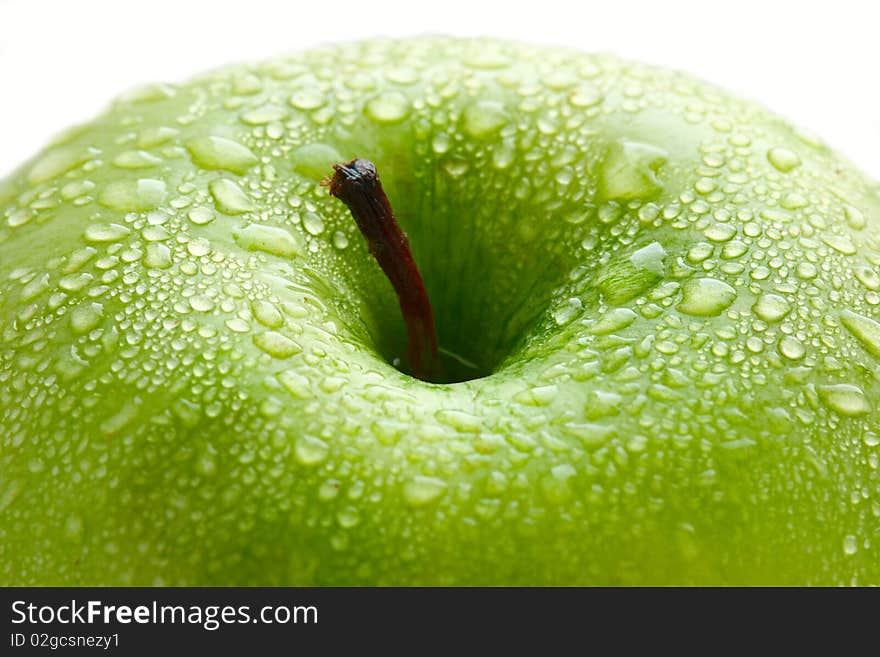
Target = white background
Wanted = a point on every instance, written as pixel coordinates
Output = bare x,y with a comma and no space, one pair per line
816,63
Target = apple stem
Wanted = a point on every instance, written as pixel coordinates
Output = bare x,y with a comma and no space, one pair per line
356,184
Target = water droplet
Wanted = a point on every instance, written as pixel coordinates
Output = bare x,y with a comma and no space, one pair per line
589,433
460,420
866,330
585,95
307,98
221,153
310,450
313,224
771,307
854,217
201,303
201,216
155,136
793,201
75,282
421,491
630,170
705,297
484,118
157,256
238,325
269,239
315,161
198,247
276,345
720,232
845,399
133,195
783,159
348,517
556,486
34,288
840,244
792,348
121,418
388,107
536,396
264,114
98,233
59,161
267,314
136,160
229,198
613,320
850,544
73,528
85,317
806,270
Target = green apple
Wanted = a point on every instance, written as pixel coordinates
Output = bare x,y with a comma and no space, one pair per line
656,306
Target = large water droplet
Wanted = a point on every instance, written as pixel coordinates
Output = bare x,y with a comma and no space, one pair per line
388,107
630,170
846,399
221,153
85,317
421,490
705,297
771,307
59,161
315,161
157,256
98,233
783,159
276,345
133,195
309,450
866,330
484,118
269,239
229,198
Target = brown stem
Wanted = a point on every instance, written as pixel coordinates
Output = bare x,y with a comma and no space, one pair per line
356,184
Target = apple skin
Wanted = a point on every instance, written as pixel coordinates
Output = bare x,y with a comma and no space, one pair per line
672,294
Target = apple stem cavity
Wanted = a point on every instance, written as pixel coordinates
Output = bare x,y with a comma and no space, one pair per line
357,184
